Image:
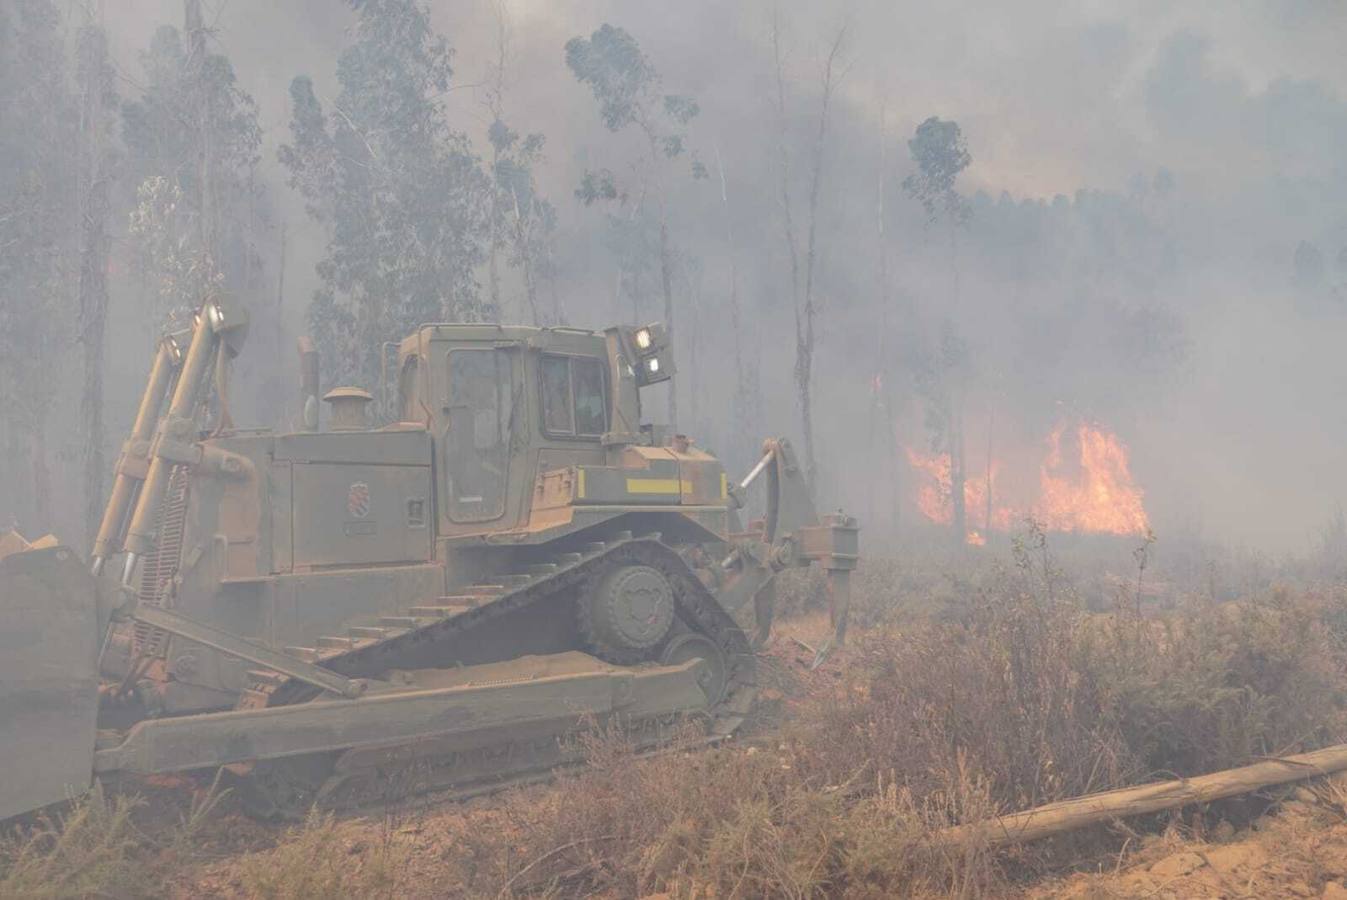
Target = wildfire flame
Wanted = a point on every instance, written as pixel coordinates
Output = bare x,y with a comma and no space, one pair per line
1084,484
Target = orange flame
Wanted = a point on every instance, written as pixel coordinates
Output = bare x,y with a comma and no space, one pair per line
1092,492
1088,487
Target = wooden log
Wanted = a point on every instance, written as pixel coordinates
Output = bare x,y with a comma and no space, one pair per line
1078,812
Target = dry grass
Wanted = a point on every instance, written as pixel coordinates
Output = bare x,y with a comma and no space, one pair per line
1018,697
324,859
89,850
1015,692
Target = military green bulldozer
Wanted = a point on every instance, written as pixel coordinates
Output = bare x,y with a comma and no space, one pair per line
437,603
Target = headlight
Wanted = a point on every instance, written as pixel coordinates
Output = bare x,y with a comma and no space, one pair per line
652,364
215,315
643,339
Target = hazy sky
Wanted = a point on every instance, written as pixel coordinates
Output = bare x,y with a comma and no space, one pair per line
1245,103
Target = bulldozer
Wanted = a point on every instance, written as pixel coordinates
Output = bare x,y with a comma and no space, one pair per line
438,603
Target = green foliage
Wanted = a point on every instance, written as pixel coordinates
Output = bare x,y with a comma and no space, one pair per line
622,80
408,207
39,181
522,220
939,150
193,139
937,373
626,88
37,203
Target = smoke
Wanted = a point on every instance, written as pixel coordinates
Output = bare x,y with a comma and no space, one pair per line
1139,188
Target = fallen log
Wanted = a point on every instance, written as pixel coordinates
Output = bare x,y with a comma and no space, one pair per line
1078,812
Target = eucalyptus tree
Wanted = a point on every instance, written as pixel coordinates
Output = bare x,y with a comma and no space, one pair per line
523,222
192,141
941,154
628,91
38,202
803,284
96,170
405,201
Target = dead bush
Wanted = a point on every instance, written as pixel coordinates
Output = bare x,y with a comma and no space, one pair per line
323,859
88,850
1218,685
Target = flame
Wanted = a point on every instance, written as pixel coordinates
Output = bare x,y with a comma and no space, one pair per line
1094,490
935,495
1085,484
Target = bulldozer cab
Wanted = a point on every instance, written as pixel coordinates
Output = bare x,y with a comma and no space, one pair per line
504,403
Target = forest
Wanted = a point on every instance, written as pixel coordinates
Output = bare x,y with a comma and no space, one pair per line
1053,301
835,258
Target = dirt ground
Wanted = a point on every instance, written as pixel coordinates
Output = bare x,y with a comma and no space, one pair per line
1297,850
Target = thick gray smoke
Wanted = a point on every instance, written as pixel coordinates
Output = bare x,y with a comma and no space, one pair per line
1157,238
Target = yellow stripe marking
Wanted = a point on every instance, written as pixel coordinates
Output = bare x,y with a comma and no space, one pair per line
580,484
724,486
653,486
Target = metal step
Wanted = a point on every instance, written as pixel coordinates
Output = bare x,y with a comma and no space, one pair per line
653,536
369,631
336,643
595,547
543,569
484,590
266,676
308,654
568,559
513,580
622,536
408,622
435,613
254,698
461,600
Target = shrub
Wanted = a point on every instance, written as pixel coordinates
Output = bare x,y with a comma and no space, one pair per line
89,850
322,860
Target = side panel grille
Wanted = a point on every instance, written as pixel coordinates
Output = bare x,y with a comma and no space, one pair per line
161,564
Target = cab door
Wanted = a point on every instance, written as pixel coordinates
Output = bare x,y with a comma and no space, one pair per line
479,416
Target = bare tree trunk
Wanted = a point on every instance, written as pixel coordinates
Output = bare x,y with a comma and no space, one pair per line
526,267
558,314
958,459
879,380
95,93
957,479
1107,806
666,285
41,520
991,428
207,205
787,219
694,343
492,266
743,406
804,315
284,412
495,103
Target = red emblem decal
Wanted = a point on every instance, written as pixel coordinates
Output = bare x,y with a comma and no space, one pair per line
357,500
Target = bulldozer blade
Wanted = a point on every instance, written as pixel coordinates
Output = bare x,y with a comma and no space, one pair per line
48,678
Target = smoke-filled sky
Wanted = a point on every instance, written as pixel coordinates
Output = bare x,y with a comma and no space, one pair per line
1245,106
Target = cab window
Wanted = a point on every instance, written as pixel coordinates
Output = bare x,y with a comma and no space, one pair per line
478,444
574,402
409,401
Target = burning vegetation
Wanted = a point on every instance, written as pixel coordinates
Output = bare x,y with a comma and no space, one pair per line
1084,484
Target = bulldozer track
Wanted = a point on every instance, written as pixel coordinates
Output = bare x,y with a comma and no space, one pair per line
367,651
